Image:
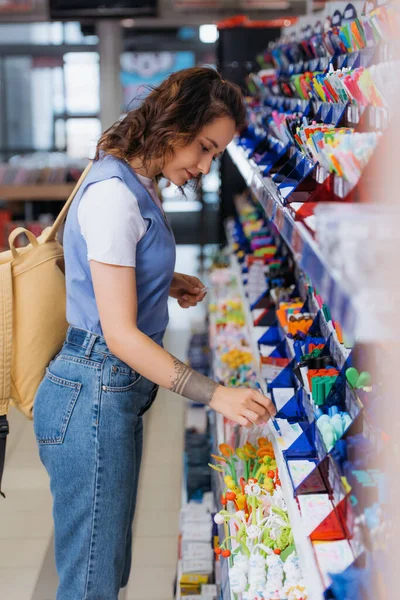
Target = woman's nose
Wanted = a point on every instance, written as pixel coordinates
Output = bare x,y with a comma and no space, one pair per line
205,165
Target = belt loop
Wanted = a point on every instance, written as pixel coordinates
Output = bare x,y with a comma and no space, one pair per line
91,343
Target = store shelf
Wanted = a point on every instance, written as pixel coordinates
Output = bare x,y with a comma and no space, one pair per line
304,248
339,352
303,543
30,193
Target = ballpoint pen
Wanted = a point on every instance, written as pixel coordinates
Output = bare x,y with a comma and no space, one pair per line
275,424
274,421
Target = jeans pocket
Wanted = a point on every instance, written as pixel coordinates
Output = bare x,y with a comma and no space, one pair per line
152,397
121,379
54,403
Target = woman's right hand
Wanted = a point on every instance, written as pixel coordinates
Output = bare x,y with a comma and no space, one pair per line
243,405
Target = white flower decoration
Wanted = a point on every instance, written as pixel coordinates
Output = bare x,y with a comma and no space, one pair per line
252,489
253,532
238,580
241,563
219,519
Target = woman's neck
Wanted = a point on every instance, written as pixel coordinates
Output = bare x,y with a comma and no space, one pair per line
151,170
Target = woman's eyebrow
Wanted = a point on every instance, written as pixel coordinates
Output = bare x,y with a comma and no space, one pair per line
212,142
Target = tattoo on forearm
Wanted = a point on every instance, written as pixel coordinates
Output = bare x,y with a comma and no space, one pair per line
191,384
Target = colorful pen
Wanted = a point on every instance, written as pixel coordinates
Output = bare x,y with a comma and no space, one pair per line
274,421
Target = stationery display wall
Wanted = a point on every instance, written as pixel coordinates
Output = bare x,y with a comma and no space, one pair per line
316,118
301,501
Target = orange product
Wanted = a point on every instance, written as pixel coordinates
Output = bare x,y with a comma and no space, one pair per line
283,314
298,322
339,332
321,373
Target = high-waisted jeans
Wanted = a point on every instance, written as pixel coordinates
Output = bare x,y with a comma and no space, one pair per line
88,425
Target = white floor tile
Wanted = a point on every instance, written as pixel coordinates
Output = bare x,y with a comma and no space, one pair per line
167,421
151,583
20,477
22,554
161,552
17,584
36,501
24,525
153,501
152,477
162,523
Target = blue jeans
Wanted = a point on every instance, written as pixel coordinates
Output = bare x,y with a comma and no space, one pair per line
88,425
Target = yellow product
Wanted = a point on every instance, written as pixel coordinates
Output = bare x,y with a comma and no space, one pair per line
191,583
235,358
194,579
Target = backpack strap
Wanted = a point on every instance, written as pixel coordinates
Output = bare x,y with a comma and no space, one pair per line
6,315
52,233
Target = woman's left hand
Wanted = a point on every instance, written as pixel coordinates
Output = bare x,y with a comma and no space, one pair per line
188,290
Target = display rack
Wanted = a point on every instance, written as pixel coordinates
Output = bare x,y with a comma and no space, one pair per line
304,248
302,542
310,92
313,131
343,516
32,193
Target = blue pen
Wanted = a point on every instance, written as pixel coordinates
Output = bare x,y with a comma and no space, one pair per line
274,421
275,424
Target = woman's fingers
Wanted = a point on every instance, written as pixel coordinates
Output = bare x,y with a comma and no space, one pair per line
263,401
191,300
254,417
197,283
251,404
183,303
244,422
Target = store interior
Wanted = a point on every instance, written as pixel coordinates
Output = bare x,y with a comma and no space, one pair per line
292,232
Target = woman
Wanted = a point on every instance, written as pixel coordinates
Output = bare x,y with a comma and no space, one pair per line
120,258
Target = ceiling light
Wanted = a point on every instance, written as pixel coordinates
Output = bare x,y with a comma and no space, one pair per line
208,34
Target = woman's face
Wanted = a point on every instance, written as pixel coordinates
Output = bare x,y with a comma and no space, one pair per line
196,158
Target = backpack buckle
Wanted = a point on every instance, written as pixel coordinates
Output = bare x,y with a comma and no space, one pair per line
4,427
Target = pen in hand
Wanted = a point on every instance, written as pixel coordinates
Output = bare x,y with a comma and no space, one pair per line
274,421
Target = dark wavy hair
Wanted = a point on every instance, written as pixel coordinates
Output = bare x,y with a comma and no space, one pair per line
172,115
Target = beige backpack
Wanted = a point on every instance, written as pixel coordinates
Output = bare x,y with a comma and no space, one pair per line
32,316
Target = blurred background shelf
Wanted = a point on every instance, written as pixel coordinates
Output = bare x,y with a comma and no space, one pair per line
15,193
